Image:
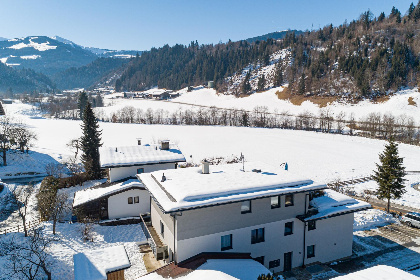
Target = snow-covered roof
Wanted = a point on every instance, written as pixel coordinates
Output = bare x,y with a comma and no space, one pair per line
138,155
230,269
186,188
382,272
333,203
95,264
87,195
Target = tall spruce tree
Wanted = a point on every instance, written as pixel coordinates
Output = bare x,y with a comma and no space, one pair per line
246,86
302,84
261,83
278,77
90,143
81,103
390,174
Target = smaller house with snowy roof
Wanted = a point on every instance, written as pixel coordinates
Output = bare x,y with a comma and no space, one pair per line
280,218
125,162
109,201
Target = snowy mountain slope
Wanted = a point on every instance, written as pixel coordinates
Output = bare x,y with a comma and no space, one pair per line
50,55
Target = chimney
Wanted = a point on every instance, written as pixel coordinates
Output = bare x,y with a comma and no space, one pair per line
139,141
205,167
116,150
164,145
163,177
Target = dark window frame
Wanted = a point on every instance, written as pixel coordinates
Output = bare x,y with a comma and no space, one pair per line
141,170
274,263
130,200
162,229
259,235
260,259
286,233
313,251
250,207
278,202
221,242
311,225
291,202
136,199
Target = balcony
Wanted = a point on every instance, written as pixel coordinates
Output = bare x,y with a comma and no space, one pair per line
160,250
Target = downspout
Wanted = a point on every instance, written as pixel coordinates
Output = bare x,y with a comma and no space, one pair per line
173,258
304,235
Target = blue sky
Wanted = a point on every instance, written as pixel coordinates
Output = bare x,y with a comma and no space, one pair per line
140,25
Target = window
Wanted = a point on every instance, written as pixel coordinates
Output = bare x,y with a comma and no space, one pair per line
136,199
257,235
289,200
260,260
226,242
288,228
311,225
273,264
275,202
310,251
162,229
130,200
140,170
246,207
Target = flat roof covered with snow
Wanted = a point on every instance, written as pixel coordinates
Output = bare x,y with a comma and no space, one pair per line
379,272
138,155
333,203
90,194
188,188
95,264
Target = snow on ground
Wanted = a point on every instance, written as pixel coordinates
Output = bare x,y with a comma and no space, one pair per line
70,243
372,218
396,105
382,272
37,46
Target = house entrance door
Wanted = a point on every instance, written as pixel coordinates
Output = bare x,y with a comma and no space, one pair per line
287,261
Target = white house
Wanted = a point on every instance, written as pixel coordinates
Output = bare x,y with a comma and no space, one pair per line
280,218
125,162
126,199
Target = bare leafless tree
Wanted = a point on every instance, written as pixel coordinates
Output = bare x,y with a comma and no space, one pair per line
29,259
19,196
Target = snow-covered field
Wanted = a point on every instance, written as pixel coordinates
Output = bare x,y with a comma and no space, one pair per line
396,105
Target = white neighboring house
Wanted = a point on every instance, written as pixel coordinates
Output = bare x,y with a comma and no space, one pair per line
126,199
125,162
280,218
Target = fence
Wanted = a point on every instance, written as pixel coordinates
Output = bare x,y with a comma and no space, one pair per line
19,228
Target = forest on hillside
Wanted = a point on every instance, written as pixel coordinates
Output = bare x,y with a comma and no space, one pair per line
370,56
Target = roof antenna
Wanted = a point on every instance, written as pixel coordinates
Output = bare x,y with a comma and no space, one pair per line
243,162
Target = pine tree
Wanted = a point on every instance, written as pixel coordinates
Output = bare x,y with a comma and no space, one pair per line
81,103
390,174
302,84
246,86
261,83
90,143
278,77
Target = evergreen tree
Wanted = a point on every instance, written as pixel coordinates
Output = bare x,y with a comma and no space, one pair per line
81,103
246,86
278,76
381,17
302,84
390,174
261,83
411,11
90,143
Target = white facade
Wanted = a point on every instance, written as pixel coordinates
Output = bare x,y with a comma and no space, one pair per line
119,173
118,206
200,230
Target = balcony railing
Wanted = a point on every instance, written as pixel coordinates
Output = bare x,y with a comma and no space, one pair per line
160,251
